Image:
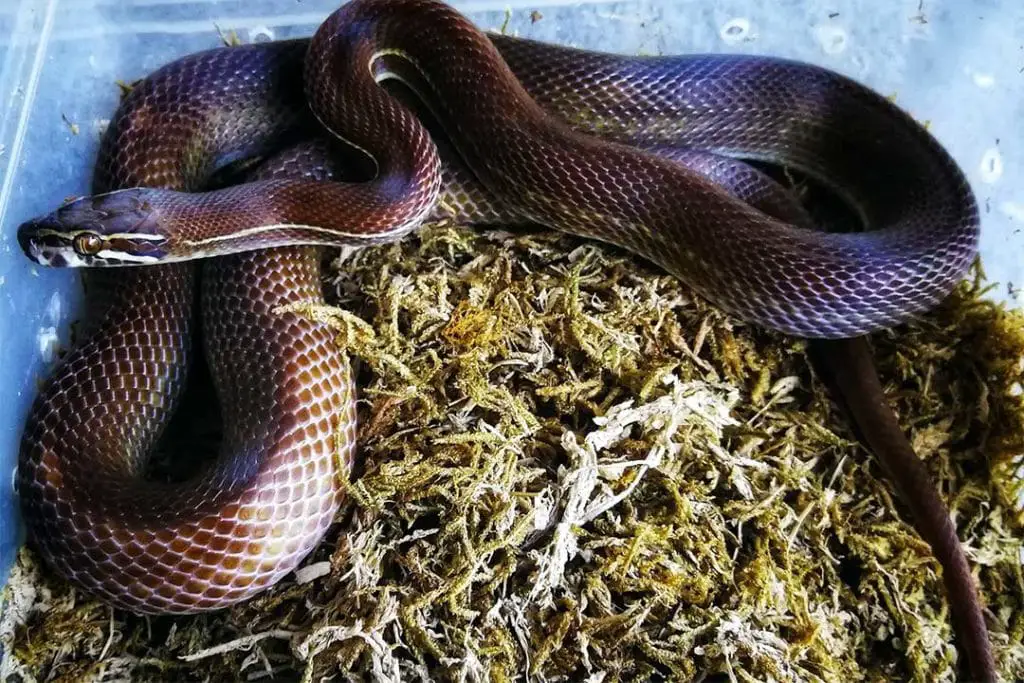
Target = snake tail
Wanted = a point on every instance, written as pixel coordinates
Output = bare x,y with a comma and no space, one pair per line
847,365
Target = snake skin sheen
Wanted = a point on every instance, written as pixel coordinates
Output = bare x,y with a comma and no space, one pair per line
922,214
247,520
643,152
203,544
286,395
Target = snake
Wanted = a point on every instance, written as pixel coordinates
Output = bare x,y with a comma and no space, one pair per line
658,155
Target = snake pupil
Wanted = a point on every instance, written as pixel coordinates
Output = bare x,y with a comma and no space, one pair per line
88,243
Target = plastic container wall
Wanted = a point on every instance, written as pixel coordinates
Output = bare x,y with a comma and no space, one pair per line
957,65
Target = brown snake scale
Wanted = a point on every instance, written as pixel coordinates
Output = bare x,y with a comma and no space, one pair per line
665,180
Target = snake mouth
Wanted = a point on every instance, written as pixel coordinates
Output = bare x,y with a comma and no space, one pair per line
45,245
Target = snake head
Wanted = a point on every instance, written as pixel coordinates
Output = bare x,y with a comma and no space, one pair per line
112,229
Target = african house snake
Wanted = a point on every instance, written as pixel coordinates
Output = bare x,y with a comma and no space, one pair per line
524,117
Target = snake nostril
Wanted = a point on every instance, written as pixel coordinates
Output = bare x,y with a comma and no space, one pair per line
32,239
25,237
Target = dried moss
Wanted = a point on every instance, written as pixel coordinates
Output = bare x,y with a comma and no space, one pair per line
570,467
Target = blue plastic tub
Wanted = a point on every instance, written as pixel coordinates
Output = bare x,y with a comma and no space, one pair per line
954,63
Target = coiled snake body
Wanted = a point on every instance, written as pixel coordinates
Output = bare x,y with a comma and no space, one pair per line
549,135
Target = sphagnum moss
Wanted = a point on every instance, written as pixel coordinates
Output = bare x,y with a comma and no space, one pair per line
571,468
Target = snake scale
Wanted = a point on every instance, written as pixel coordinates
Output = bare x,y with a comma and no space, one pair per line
642,152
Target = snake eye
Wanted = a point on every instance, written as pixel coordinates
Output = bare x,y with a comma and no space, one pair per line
88,243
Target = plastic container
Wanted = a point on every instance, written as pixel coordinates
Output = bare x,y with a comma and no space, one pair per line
957,65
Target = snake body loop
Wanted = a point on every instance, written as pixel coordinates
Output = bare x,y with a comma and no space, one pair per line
642,152
522,125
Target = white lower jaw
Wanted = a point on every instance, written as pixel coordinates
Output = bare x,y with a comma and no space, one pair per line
123,256
72,259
